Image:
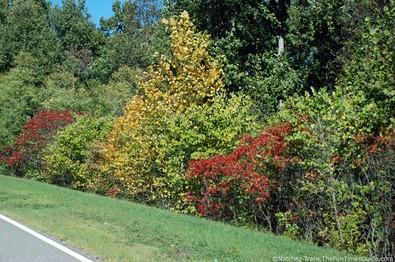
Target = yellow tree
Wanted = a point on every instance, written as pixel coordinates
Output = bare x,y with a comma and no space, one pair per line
187,78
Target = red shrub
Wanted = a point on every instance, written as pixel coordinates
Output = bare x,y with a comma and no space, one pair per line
35,136
372,145
227,186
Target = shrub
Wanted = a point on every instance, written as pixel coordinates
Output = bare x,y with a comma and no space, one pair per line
340,191
212,129
67,159
344,201
25,154
305,180
237,186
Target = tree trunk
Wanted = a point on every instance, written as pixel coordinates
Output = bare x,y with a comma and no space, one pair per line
281,45
282,16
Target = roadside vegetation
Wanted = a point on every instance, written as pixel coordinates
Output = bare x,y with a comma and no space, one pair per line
272,115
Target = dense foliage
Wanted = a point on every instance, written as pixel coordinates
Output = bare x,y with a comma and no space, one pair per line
25,153
237,186
273,114
277,48
68,158
143,150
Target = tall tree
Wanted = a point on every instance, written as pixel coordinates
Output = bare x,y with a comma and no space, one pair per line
25,29
3,10
241,29
280,9
77,33
19,97
186,79
130,33
73,26
251,35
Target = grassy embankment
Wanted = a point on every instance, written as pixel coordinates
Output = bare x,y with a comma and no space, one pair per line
116,230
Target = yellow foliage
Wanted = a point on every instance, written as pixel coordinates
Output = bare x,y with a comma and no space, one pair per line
188,78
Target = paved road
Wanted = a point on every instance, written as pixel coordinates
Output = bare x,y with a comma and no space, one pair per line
24,245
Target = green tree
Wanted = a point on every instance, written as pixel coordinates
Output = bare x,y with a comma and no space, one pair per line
242,30
77,34
371,71
73,26
4,4
62,90
19,97
321,35
26,29
130,33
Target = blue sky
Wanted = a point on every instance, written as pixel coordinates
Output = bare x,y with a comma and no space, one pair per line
97,8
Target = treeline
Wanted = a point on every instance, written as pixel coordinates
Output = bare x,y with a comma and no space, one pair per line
55,58
276,114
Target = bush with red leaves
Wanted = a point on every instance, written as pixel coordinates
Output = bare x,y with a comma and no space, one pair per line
236,186
35,135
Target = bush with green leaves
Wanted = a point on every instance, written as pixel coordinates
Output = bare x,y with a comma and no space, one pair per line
68,157
340,194
200,132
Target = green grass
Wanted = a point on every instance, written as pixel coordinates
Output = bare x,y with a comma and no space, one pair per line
116,230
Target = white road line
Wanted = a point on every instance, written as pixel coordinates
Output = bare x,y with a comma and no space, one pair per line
46,240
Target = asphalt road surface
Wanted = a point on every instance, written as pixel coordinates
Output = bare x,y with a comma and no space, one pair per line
21,244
